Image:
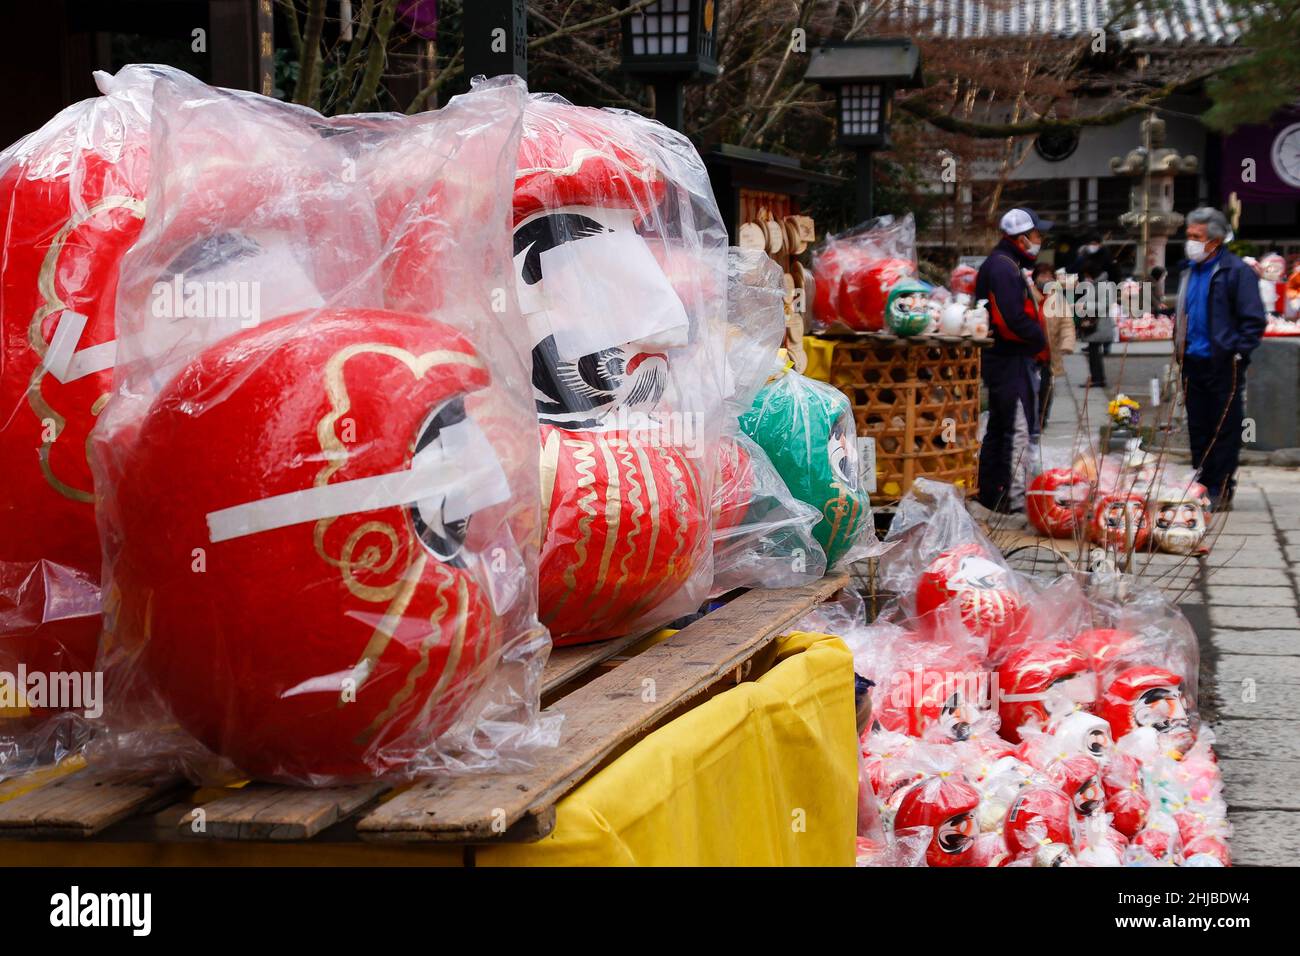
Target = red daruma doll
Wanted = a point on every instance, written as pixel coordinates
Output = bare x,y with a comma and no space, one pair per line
983,591
946,803
626,499
1057,502
337,624
71,203
852,287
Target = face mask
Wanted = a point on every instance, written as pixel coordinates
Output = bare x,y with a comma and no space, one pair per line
1090,249
1195,250
1031,250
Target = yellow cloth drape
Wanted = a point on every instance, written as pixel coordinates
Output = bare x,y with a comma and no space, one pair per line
763,773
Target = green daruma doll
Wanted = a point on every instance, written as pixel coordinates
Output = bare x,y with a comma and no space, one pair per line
807,430
907,310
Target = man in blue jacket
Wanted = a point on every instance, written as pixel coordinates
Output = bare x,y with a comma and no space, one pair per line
1010,368
1220,321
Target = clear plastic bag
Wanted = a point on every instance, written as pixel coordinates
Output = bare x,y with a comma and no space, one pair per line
71,203
762,535
620,274
856,270
755,326
807,429
940,558
319,487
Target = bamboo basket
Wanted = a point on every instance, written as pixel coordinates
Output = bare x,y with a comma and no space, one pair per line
920,401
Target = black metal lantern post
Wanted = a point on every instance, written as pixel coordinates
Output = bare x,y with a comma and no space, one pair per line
864,75
668,42
496,38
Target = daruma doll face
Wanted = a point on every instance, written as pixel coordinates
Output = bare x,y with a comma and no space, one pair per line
298,607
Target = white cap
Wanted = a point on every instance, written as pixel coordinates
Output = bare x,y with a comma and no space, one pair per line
1017,221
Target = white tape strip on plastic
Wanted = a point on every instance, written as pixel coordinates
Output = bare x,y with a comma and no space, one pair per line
64,362
428,480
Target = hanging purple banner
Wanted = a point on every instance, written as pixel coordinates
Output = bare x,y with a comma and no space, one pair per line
421,16
1262,163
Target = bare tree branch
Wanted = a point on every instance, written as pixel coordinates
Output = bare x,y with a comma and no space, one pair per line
308,90
375,59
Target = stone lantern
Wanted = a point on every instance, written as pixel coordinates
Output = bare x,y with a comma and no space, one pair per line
1151,216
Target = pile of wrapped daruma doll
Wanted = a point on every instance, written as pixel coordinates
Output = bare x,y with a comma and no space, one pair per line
317,432
1017,721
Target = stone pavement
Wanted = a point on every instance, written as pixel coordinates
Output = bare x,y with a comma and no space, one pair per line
1250,690
1244,606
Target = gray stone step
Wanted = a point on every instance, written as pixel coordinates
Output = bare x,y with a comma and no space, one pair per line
1262,784
1264,838
1267,739
1266,642
1248,577
1265,671
1222,595
1270,618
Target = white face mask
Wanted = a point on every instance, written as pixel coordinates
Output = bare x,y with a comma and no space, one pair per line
1195,250
1031,250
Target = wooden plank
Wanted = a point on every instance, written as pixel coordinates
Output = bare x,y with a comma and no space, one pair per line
599,717
81,804
269,812
566,663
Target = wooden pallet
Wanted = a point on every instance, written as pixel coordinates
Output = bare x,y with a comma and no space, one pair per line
601,689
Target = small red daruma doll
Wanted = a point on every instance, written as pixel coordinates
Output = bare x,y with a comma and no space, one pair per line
1042,682
1079,777
296,519
983,590
71,204
1039,815
1148,696
1104,645
1120,521
1057,502
1126,801
948,804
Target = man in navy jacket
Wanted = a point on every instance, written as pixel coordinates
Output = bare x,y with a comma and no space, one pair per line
1010,365
1220,320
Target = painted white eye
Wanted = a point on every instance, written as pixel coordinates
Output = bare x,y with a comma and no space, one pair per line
441,519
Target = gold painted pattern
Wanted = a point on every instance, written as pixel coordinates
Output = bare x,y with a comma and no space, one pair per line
645,173
584,462
625,456
336,456
549,465
613,511
400,593
50,303
387,627
421,666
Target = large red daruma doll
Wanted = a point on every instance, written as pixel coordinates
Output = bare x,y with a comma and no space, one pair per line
332,625
71,203
627,508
